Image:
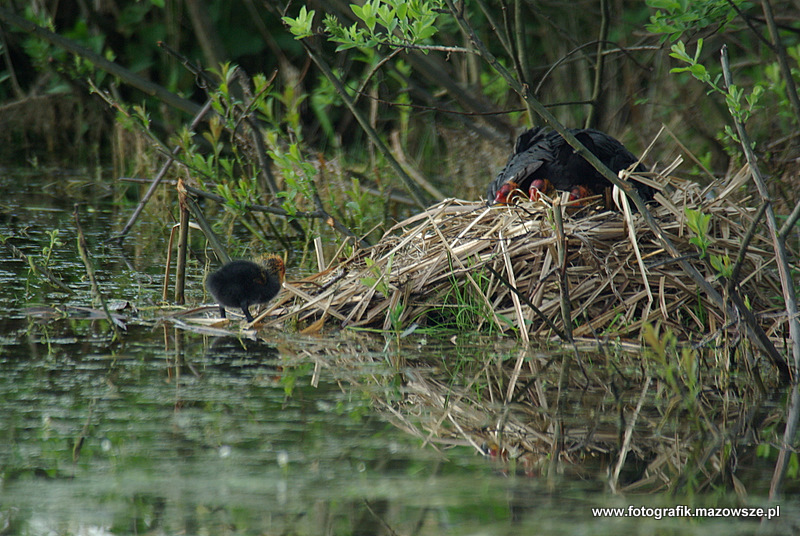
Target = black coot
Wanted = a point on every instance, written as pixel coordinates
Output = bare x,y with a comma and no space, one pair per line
542,160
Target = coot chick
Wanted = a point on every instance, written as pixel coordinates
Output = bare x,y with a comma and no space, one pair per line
245,283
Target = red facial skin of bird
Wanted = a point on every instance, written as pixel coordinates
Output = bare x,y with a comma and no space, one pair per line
505,192
578,193
539,187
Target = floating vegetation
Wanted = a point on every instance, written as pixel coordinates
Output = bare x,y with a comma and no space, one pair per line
674,365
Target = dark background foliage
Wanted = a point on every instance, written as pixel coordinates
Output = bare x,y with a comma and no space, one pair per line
455,117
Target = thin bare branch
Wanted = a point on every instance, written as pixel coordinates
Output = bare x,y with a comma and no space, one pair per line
414,189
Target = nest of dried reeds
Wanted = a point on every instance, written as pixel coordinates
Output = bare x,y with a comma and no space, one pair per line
512,268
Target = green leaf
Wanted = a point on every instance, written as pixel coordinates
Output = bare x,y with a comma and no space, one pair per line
699,49
425,33
698,70
679,52
402,10
301,26
722,264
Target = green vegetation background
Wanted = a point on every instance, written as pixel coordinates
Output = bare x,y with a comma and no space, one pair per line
442,111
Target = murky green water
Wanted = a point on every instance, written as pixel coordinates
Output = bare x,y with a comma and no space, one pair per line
171,431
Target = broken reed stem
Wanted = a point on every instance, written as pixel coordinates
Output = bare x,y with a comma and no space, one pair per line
626,441
563,282
320,255
168,265
83,249
183,239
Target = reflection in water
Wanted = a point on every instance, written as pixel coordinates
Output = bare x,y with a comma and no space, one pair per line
224,436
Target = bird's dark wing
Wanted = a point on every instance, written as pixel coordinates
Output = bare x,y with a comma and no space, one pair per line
617,157
565,155
611,151
531,151
540,153
529,138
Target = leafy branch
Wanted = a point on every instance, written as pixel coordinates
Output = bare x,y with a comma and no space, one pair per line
392,23
740,105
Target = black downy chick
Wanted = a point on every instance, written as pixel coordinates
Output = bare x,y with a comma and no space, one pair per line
244,283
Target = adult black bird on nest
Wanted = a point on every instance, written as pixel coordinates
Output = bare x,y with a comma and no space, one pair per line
543,161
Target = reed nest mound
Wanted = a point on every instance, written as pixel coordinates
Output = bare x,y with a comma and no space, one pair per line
465,263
